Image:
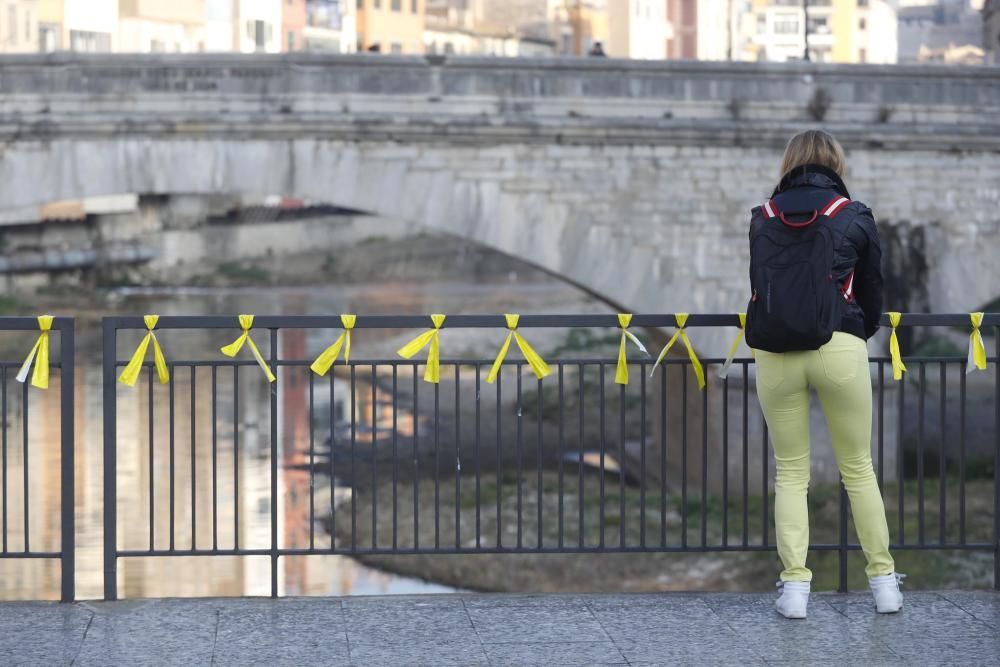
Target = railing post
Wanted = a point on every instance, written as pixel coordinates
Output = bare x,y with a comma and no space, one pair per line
110,352
842,552
273,388
67,397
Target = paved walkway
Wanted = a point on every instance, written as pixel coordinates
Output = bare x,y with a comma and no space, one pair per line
943,628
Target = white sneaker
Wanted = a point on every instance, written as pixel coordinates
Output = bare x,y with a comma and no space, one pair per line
793,600
885,588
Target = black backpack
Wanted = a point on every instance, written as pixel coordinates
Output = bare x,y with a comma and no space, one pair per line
795,303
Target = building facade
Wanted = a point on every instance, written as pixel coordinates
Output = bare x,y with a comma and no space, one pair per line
77,25
256,26
19,26
391,26
330,25
638,29
843,31
293,21
161,26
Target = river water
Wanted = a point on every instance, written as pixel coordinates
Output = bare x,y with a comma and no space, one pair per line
184,497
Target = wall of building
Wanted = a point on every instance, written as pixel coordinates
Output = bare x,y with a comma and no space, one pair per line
396,26
257,26
638,29
90,25
293,20
19,26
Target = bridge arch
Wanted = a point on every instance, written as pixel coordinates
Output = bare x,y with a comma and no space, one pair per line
631,180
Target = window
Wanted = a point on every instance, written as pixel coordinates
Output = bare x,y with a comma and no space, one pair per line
361,4
258,32
377,4
397,5
291,40
47,38
396,47
786,24
861,24
12,24
27,26
85,40
415,6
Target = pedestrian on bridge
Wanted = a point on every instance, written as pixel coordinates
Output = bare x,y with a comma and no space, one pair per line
816,297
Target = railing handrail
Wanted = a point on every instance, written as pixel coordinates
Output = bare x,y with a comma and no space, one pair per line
491,321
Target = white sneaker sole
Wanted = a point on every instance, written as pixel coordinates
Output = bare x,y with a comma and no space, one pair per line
791,615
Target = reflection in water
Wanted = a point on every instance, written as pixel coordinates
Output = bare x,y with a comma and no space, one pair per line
215,442
184,451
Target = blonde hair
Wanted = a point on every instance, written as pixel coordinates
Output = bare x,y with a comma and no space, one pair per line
814,147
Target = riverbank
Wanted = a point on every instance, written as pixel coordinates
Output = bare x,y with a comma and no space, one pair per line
642,571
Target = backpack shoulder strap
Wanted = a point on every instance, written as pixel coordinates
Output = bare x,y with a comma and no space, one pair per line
770,209
835,205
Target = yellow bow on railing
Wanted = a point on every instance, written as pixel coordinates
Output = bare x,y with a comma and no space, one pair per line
433,371
621,374
323,362
977,350
246,323
40,355
681,319
894,356
539,366
130,375
724,371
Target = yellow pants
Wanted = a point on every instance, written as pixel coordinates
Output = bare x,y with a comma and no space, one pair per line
839,373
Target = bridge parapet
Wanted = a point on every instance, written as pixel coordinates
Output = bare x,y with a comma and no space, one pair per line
491,99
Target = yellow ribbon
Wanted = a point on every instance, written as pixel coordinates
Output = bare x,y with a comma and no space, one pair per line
621,374
130,375
433,371
698,371
40,355
977,350
539,366
323,362
246,323
724,371
897,360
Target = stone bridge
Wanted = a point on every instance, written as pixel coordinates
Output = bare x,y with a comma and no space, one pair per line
632,180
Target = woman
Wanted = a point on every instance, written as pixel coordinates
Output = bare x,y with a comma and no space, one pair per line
816,285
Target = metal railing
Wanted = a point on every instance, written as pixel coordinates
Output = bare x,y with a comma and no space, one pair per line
17,399
416,468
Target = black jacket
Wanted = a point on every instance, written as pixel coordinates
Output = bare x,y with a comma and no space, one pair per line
856,248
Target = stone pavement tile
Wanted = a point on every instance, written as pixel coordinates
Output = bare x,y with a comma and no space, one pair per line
547,600
643,601
690,647
408,620
535,624
41,633
150,632
677,629
928,630
821,662
984,605
434,601
555,653
825,634
417,653
282,632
